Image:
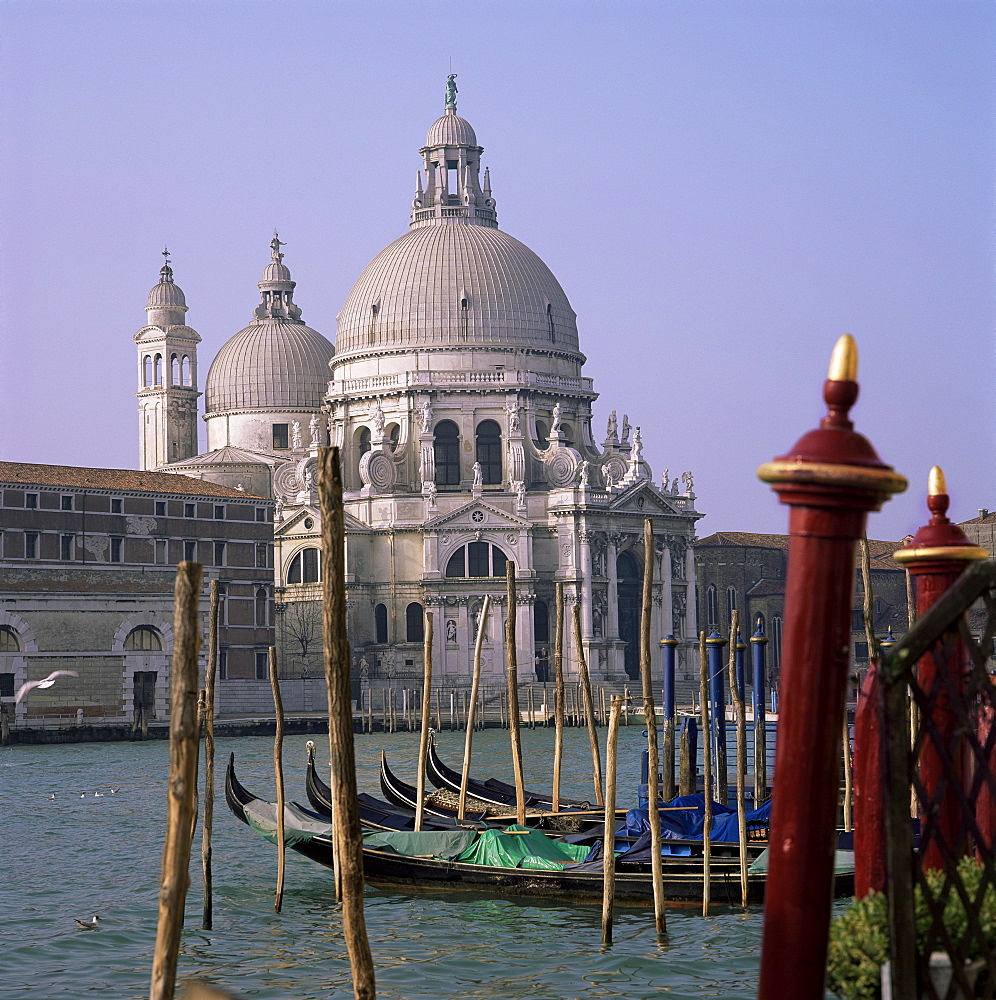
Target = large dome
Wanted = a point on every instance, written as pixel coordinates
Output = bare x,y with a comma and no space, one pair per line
270,365
450,285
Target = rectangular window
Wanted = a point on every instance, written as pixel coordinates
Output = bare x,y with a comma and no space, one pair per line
117,545
6,685
861,650
219,553
161,549
117,505
262,664
261,555
279,436
223,663
219,512
190,510
190,551
31,501
31,545
67,501
67,547
160,508
261,514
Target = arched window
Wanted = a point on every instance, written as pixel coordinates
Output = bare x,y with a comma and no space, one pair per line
147,370
174,368
731,600
157,373
305,567
363,441
185,376
477,559
541,622
712,607
776,642
447,452
144,638
549,321
489,451
380,624
262,605
542,438
8,640
393,435
414,623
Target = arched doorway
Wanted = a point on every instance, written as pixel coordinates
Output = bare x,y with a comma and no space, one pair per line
629,586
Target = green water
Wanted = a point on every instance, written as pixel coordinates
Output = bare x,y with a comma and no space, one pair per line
74,856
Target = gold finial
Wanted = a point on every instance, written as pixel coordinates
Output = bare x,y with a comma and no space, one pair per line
844,360
936,485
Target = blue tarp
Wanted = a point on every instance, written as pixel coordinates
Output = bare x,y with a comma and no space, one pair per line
687,824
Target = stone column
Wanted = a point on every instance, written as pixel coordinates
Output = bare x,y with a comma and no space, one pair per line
584,585
612,616
691,609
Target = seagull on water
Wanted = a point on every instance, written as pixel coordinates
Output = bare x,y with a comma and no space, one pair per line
46,682
88,925
98,795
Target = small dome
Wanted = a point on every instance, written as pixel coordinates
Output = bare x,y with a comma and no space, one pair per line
166,294
272,364
276,271
451,130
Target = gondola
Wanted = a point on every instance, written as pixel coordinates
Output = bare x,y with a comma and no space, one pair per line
578,882
376,813
492,791
398,792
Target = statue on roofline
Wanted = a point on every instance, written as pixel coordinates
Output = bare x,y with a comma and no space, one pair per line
451,90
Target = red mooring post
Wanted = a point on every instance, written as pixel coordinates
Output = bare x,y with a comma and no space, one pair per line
830,479
935,558
869,801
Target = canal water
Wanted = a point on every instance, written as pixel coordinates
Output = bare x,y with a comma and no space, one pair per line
93,850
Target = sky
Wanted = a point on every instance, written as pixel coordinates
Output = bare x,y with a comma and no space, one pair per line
722,190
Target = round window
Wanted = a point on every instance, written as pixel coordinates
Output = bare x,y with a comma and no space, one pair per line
477,516
309,523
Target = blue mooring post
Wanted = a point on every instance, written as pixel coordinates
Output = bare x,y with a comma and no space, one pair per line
668,645
757,643
717,714
739,666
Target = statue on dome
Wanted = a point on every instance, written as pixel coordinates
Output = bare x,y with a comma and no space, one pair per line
451,91
584,474
636,455
275,255
379,420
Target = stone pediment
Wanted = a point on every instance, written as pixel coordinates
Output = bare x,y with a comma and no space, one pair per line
476,515
293,523
641,498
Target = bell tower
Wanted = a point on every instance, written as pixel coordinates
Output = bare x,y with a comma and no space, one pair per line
167,377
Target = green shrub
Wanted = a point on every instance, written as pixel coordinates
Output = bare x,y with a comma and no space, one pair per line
859,937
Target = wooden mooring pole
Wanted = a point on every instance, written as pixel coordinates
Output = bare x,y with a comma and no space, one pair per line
650,715
278,775
608,837
589,712
348,844
423,739
208,824
183,740
830,479
704,668
736,696
468,739
513,693
558,696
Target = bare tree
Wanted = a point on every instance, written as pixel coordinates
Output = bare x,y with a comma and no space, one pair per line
302,632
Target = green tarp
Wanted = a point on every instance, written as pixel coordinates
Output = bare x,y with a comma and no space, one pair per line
447,844
518,847
843,863
495,848
298,825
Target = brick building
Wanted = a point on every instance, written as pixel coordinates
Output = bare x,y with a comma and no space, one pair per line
88,559
746,571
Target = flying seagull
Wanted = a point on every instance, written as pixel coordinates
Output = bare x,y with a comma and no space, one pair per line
88,925
46,683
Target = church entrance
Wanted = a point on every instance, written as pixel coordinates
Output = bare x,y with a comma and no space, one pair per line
629,585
